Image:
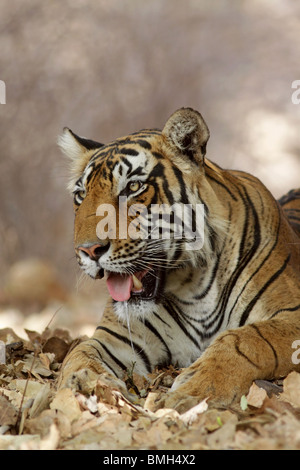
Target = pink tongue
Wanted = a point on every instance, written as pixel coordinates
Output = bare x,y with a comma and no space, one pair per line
119,286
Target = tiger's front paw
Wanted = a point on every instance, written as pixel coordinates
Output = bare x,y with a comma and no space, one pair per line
175,400
218,376
80,369
85,381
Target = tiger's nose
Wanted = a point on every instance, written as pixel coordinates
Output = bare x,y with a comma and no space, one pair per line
94,251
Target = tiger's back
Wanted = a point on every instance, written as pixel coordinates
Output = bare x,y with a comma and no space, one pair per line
290,203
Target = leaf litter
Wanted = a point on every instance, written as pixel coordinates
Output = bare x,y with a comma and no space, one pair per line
35,416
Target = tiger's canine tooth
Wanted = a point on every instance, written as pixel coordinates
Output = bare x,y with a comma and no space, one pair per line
137,283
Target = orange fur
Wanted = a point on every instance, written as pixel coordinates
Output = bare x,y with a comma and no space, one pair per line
254,243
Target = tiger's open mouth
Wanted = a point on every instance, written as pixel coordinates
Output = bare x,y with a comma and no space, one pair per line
142,285
131,287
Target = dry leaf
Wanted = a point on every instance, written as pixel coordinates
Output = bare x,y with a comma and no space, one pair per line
16,388
87,403
191,415
56,346
42,423
291,389
66,402
46,359
223,437
8,413
34,366
212,419
256,396
7,335
32,387
151,399
33,336
26,442
14,397
85,422
41,401
167,413
104,417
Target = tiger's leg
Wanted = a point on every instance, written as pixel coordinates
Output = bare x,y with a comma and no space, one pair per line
82,366
236,358
111,352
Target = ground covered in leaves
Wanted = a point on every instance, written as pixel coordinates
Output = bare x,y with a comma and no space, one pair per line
34,415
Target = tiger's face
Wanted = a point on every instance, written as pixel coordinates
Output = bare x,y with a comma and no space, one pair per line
119,191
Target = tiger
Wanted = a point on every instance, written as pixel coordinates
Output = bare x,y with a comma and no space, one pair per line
225,312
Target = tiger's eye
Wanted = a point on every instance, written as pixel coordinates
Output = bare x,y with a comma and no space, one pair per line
82,194
134,186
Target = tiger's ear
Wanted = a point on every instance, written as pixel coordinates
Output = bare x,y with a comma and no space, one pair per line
74,146
79,150
186,132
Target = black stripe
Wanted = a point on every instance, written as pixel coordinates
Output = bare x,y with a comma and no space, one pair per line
163,321
246,226
158,335
215,269
254,273
101,357
138,171
98,154
127,163
241,265
293,217
125,340
129,151
157,171
292,195
273,278
223,186
210,282
268,342
113,357
97,173
144,143
98,352
178,251
235,334
245,357
167,191
179,177
290,309
157,155
146,133
170,309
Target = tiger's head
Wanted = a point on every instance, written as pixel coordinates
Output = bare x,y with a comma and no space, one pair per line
137,202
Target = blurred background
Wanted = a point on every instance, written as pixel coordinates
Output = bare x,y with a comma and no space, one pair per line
106,68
